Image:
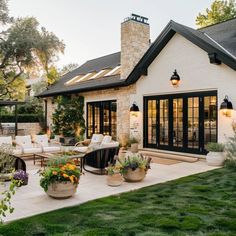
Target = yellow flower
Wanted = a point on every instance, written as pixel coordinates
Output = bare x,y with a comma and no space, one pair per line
71,179
54,172
65,176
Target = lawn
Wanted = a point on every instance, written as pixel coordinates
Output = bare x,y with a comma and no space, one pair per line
203,204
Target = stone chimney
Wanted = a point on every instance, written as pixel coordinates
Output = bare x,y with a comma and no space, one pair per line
135,40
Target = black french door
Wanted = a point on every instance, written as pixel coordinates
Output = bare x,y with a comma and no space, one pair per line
101,118
180,122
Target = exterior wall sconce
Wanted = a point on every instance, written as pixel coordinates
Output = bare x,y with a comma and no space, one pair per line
226,107
134,109
175,79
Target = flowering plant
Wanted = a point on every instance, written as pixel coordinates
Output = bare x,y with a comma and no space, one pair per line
59,170
20,175
113,169
134,162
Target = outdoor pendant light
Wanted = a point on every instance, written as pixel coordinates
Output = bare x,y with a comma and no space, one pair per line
134,109
175,79
226,106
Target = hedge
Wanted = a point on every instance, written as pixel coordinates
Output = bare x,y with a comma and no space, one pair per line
22,118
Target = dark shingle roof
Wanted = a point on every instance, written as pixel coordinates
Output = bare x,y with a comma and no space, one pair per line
108,61
223,33
219,39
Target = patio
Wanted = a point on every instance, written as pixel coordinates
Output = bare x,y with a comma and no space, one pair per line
31,200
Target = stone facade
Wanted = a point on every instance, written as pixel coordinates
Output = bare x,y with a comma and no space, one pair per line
122,96
135,40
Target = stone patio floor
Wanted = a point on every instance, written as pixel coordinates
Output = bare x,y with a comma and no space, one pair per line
31,199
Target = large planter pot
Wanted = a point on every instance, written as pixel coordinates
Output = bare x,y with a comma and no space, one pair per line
134,147
134,175
114,180
215,158
124,140
62,190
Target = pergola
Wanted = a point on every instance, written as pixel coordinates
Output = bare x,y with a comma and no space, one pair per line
15,104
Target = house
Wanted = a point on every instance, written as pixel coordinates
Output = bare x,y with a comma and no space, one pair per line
182,116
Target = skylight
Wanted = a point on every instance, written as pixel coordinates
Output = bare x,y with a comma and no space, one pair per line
114,71
72,81
100,74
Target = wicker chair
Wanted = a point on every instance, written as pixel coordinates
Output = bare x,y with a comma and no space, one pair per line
99,159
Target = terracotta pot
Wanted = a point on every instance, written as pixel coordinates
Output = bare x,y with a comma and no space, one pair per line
215,158
134,175
114,180
134,147
62,190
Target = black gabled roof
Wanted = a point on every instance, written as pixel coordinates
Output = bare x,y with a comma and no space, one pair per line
199,38
223,33
108,61
219,39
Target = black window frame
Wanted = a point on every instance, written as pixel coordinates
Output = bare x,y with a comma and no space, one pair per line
101,105
171,97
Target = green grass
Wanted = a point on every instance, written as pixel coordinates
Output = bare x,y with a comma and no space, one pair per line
203,204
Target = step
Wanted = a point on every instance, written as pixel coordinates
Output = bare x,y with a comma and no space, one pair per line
170,155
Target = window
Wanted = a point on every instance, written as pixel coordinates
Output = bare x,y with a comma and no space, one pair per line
101,118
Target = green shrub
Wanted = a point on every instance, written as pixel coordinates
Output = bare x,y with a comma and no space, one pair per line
215,147
22,118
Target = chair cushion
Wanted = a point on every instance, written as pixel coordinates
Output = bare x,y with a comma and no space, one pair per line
24,141
51,149
106,139
97,138
111,144
32,150
6,140
42,140
17,151
80,149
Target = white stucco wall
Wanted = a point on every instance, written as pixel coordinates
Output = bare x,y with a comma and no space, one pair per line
196,73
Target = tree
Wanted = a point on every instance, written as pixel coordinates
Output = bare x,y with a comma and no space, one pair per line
68,68
25,47
219,11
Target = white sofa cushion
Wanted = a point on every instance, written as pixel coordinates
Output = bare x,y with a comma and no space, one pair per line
24,141
81,149
42,140
52,149
6,140
32,150
97,138
111,144
106,139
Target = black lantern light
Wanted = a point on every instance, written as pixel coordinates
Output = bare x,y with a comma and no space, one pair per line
134,109
175,79
226,106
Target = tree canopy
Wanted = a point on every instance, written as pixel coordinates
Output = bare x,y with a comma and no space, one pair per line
218,12
24,48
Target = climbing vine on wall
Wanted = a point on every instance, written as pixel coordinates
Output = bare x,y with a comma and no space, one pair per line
68,118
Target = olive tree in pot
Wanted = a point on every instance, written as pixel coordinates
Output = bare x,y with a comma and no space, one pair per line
215,156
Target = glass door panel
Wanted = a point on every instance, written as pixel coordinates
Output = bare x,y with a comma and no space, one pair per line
113,120
178,122
90,119
210,119
152,122
193,122
164,122
106,118
97,118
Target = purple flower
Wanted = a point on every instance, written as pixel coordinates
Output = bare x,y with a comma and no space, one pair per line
20,175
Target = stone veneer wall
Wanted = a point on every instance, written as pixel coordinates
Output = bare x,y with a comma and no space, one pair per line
122,96
135,38
50,110
29,128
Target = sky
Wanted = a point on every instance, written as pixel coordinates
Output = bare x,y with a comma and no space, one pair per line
91,28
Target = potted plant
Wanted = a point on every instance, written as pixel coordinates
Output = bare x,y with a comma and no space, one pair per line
60,178
114,177
6,162
22,176
215,155
134,167
134,144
